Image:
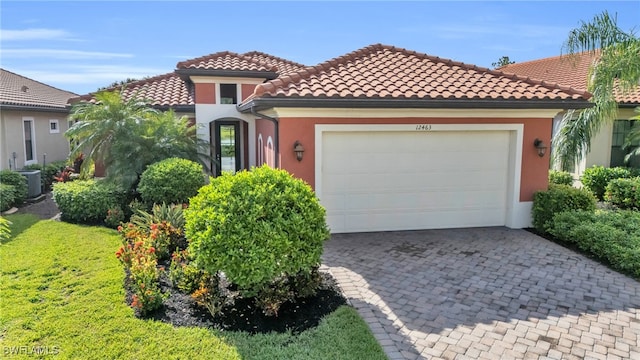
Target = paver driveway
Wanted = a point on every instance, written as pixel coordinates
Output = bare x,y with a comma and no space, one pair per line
485,293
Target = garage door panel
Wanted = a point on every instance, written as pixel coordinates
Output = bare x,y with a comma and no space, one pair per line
375,181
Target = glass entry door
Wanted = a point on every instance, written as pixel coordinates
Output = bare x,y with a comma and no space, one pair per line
227,147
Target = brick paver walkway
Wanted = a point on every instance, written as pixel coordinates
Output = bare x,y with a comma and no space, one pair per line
486,293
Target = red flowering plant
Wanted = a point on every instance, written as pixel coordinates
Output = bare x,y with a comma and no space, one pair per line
138,256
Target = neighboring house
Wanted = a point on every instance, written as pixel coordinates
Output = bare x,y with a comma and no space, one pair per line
33,119
390,139
573,71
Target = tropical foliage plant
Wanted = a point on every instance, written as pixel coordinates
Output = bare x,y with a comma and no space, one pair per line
127,135
617,69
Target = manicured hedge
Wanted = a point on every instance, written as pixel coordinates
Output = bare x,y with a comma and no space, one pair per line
171,181
559,198
18,181
611,236
7,196
87,201
624,193
560,177
597,178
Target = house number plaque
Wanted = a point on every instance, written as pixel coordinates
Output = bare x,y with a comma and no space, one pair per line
423,127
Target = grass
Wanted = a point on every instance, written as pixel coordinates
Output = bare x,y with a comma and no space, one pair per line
62,291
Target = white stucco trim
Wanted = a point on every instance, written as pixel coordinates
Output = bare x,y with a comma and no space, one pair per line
518,214
225,80
411,113
33,141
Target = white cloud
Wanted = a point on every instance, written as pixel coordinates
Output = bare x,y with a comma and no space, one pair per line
34,34
85,78
61,54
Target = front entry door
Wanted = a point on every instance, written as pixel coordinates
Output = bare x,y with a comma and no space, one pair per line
227,147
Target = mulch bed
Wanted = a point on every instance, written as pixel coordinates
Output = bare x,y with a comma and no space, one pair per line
181,310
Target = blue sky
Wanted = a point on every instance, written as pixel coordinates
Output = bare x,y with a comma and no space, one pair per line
80,46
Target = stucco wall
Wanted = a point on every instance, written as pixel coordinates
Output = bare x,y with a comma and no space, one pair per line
55,145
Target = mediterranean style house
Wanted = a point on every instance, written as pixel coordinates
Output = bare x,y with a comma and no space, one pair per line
389,139
33,119
573,71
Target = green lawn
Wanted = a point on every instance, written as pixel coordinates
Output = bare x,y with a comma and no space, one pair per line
61,291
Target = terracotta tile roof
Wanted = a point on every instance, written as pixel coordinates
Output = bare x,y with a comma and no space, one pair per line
17,90
168,90
226,60
283,66
569,70
386,72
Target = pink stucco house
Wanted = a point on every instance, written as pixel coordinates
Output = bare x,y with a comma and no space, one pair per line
390,139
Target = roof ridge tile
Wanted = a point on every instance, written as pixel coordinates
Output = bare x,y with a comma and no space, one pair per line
255,52
189,62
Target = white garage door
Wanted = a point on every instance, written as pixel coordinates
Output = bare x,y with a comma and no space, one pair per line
379,180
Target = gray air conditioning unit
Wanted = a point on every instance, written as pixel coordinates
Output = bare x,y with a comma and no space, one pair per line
33,183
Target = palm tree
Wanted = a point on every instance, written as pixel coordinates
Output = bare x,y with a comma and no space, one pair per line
128,135
161,136
101,124
618,67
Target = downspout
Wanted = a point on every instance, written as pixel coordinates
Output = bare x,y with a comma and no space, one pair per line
276,134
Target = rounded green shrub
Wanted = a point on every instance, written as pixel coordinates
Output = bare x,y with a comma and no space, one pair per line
171,181
256,227
624,193
7,196
560,177
18,181
596,178
87,201
559,198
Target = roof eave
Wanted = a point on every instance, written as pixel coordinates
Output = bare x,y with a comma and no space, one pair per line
176,108
34,108
269,75
267,103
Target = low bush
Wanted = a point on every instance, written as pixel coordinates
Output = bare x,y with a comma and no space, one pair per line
560,177
184,275
48,173
7,196
611,236
87,201
5,230
19,182
171,181
256,227
559,198
165,227
171,214
115,217
624,193
139,259
596,178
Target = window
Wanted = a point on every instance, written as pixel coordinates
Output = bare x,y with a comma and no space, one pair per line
621,129
270,155
228,94
29,141
54,126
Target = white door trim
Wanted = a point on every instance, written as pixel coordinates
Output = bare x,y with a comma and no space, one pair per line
515,216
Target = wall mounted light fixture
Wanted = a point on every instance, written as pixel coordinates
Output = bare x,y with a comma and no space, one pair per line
541,146
298,149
